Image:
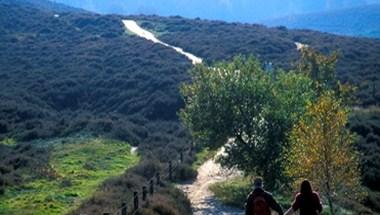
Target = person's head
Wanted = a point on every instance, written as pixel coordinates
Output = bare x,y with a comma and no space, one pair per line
306,187
258,183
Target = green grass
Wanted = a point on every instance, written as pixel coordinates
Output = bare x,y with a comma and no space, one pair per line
233,192
78,169
8,142
158,29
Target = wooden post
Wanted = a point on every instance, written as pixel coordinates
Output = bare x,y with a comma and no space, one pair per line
191,149
158,179
124,209
151,187
144,193
374,90
170,170
181,156
136,200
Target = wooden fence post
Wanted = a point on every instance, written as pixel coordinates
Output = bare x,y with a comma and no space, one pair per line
136,200
158,179
170,170
191,149
124,209
144,193
151,187
181,156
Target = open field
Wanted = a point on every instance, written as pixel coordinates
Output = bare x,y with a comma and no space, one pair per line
77,168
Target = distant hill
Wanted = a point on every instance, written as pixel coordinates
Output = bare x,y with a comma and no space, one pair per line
43,5
249,11
360,21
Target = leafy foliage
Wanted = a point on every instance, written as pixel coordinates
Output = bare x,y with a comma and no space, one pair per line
18,162
240,103
366,124
233,192
322,150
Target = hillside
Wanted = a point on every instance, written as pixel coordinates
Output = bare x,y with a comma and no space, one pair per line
82,71
360,21
214,41
63,73
43,4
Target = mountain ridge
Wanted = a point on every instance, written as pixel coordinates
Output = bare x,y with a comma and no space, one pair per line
227,10
43,5
359,21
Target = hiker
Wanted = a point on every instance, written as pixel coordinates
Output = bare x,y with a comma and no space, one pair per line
307,201
260,202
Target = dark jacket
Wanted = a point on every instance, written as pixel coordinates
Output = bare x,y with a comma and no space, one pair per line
268,198
307,204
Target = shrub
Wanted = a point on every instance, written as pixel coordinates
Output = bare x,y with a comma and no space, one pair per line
66,183
185,172
373,200
233,192
2,191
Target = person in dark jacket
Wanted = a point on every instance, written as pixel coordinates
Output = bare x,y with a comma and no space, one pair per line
259,194
307,201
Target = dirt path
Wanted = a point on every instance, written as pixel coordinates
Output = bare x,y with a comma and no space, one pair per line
132,26
202,199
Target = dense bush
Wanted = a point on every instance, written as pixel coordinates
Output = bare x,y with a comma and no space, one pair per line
166,200
373,200
366,124
184,172
20,160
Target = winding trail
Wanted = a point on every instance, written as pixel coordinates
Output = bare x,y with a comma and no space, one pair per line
202,199
133,27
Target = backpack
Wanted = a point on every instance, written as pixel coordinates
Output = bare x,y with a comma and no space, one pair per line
260,206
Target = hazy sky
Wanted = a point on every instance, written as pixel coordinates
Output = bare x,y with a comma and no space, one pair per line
228,10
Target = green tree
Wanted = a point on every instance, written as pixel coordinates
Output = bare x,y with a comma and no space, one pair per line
322,150
322,70
241,102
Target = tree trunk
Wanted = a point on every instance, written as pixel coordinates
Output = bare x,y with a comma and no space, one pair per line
332,211
329,198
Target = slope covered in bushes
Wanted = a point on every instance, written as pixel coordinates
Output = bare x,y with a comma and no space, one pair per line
214,41
71,72
64,72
